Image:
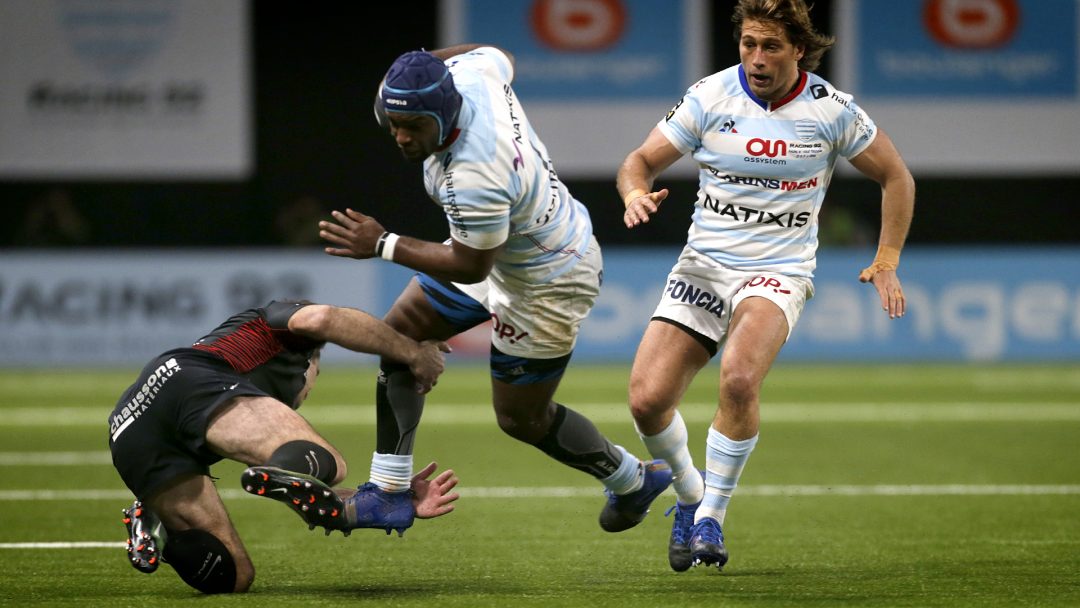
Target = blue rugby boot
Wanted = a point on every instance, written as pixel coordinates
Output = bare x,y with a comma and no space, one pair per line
314,501
679,544
707,544
624,511
146,537
678,552
373,507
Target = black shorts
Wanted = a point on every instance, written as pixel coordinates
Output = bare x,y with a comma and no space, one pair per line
158,429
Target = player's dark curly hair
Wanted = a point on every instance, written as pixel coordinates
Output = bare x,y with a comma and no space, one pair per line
794,17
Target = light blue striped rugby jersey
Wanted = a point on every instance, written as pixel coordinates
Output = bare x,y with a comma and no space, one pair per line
496,182
764,167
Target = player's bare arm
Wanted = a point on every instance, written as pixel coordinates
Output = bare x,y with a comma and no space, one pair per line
356,236
358,331
882,163
637,173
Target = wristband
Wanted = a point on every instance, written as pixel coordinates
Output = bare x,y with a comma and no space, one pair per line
389,242
887,257
636,192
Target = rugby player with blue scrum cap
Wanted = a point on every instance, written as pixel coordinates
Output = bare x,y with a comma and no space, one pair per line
521,254
233,394
766,134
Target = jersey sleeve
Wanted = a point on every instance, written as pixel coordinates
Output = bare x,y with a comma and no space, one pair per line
478,210
682,124
856,130
277,314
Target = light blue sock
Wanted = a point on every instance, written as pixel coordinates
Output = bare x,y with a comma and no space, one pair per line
724,462
391,472
628,477
670,445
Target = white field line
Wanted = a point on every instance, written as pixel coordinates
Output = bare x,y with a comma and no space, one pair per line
617,412
64,545
55,459
594,492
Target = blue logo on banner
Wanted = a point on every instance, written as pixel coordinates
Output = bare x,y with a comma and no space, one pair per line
595,50
981,48
116,38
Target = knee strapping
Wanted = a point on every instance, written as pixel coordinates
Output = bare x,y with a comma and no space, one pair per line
201,560
305,457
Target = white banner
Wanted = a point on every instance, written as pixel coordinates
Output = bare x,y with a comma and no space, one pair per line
125,89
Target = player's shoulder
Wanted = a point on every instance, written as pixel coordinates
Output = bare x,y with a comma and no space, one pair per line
485,61
722,84
821,93
715,93
473,163
278,312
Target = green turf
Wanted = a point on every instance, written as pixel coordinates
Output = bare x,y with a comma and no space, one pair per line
823,427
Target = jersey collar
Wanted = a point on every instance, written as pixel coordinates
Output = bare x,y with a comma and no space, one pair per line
765,105
449,140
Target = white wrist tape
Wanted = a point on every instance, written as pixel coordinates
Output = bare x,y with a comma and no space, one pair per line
388,247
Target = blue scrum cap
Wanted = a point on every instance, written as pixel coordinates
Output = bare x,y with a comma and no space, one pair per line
419,83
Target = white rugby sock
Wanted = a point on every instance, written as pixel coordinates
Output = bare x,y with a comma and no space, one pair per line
628,477
724,462
391,472
670,445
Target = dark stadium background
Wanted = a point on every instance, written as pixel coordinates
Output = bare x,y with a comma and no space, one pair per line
315,65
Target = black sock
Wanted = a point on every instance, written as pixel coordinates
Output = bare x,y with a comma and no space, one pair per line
398,408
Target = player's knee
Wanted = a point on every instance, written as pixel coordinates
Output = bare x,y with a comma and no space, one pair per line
309,458
342,470
649,399
245,576
205,563
646,405
525,423
509,424
739,388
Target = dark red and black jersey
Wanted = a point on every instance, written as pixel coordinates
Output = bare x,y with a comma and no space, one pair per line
257,343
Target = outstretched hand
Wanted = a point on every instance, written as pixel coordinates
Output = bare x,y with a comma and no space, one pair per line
433,498
642,206
354,233
889,290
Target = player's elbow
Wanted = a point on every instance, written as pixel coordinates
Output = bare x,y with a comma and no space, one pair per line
312,320
473,270
472,275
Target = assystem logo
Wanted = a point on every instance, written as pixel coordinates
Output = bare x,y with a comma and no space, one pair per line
971,24
578,25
